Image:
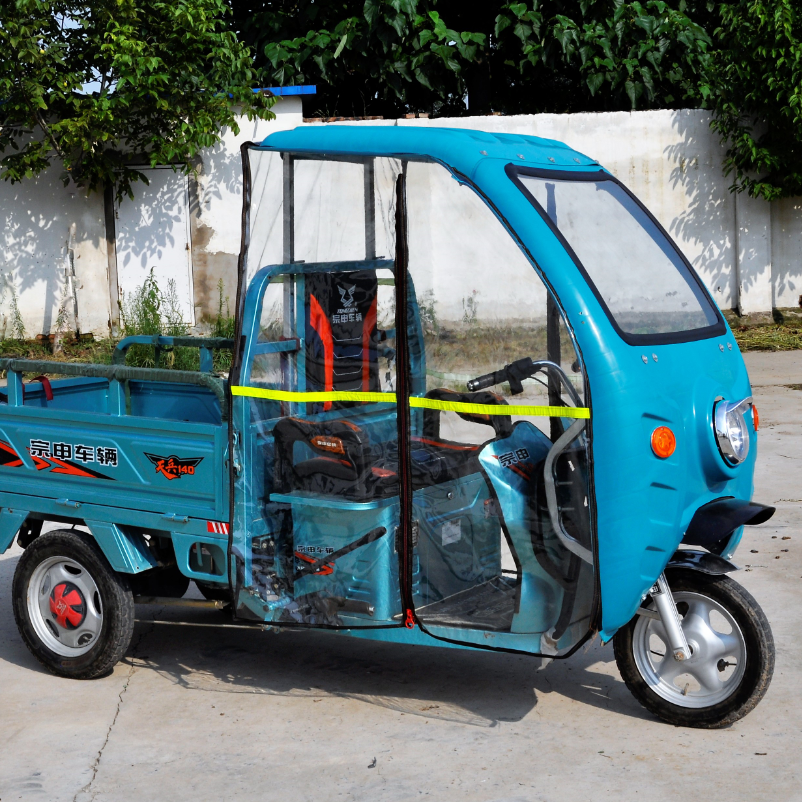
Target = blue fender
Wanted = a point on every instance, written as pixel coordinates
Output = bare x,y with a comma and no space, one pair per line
10,522
126,552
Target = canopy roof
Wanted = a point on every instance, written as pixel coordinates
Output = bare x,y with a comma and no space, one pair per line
462,149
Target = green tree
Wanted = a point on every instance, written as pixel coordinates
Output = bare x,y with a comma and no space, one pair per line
103,85
366,56
450,57
757,77
616,55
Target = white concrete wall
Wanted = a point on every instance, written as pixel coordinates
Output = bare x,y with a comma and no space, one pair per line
38,216
40,221
786,252
748,252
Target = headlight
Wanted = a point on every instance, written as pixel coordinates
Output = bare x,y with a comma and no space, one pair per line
732,434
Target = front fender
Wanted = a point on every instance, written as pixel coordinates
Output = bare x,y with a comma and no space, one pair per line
713,524
702,561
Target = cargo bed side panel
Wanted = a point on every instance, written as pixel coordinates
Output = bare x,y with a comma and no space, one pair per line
118,461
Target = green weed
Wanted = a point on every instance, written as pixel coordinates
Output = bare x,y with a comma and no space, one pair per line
150,311
223,325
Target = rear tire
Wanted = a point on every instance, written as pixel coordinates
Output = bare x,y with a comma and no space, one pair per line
726,629
74,613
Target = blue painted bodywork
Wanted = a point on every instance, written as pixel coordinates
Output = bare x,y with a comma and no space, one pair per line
83,457
642,504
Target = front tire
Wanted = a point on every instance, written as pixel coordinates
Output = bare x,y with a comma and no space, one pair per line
732,658
75,614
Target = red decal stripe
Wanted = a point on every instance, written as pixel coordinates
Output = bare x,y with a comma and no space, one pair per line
324,570
368,326
320,323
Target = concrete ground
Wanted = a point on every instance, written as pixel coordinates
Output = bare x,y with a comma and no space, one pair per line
208,713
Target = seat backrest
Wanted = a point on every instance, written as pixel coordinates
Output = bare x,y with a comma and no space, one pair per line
341,332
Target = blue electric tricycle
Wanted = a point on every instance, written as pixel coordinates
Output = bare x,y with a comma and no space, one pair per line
478,399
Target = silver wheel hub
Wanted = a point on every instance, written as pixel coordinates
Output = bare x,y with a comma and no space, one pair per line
717,663
64,606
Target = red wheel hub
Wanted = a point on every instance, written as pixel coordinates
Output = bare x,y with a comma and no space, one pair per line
67,605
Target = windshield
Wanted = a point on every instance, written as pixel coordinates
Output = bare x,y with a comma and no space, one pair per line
647,286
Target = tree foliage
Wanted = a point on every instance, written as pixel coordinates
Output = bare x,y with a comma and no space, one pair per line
450,57
621,54
757,73
163,79
366,56
167,76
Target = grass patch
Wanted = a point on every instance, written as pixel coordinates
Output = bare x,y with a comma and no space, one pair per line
780,330
73,349
768,338
148,311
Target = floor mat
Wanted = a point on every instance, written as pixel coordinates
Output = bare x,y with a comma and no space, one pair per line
488,606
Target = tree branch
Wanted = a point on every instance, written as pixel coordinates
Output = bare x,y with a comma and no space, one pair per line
43,125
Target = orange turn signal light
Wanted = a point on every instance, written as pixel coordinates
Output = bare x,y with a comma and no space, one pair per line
755,417
663,442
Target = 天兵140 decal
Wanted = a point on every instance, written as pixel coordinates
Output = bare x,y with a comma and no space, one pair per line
174,467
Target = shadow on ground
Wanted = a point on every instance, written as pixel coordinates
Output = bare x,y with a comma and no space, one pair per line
472,687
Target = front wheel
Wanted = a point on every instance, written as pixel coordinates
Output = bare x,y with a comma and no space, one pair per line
74,613
732,654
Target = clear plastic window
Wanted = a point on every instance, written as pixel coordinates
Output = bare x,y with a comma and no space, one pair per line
496,497
645,283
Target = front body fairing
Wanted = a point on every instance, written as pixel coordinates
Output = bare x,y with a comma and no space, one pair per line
642,504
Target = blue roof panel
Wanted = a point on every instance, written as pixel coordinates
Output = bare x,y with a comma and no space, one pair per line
461,148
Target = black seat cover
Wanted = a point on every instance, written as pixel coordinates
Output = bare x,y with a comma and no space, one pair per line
341,333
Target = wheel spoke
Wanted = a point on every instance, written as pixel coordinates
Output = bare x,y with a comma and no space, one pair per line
669,669
730,646
697,608
59,573
92,622
69,637
707,675
85,584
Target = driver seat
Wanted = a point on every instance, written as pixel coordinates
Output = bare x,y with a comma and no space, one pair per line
337,457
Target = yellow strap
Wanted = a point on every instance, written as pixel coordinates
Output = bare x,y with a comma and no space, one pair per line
500,409
425,403
311,398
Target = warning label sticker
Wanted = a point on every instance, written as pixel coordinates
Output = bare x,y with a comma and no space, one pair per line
451,532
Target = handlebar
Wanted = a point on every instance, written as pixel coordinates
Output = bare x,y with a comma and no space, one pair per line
521,369
514,373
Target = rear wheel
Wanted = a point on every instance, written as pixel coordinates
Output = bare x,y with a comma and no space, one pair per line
74,613
732,654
